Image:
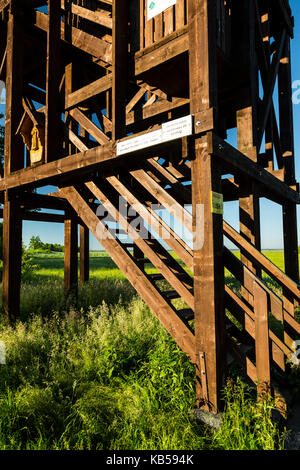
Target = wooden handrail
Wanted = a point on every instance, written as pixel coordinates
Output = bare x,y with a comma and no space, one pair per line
261,260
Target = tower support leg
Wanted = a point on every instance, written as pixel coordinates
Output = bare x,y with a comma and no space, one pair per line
12,260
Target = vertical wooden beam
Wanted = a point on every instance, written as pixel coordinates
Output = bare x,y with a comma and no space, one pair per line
290,235
69,87
12,259
84,253
71,257
206,177
249,210
120,54
262,342
13,160
53,113
208,275
14,147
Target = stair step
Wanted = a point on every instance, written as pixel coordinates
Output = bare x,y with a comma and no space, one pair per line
186,313
171,294
159,276
142,260
156,277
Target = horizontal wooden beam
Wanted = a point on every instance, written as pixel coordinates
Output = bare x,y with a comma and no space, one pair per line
101,18
88,160
89,91
164,51
240,164
79,39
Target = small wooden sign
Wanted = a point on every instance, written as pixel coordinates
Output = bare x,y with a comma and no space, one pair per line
217,205
155,7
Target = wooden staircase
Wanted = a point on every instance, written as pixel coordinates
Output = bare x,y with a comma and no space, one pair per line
86,76
260,324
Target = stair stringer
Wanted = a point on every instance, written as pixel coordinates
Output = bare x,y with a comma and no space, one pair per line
180,332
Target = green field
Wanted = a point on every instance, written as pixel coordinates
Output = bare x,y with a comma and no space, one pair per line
104,374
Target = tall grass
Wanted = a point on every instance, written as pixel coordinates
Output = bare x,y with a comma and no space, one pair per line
110,377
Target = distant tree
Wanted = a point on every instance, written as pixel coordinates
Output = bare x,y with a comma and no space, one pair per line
35,243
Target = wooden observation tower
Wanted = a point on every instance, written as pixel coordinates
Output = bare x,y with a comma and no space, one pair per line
133,99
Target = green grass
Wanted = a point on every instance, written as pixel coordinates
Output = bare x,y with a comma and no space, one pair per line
108,376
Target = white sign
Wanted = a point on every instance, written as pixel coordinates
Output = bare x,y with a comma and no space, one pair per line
172,130
155,7
177,129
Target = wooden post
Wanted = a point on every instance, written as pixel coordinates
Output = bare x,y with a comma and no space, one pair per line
53,113
120,51
247,135
206,177
290,236
13,160
208,276
262,343
84,253
12,258
71,257
14,147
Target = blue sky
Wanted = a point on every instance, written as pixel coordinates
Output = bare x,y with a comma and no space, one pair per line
271,217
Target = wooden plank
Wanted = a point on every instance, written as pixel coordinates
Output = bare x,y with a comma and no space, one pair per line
71,258
208,272
89,91
4,4
160,307
98,17
163,53
262,345
161,263
269,89
151,218
206,177
119,60
14,147
264,262
158,28
168,16
290,235
12,257
243,165
53,113
89,126
84,253
74,164
155,110
180,14
179,212
79,39
136,98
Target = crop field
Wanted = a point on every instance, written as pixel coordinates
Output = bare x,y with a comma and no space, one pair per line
104,374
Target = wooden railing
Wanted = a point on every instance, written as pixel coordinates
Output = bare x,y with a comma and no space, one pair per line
260,309
175,20
171,20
